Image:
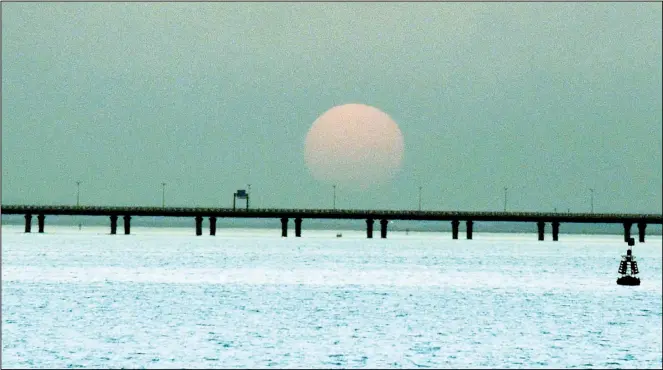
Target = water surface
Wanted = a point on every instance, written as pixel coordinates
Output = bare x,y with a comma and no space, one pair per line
163,298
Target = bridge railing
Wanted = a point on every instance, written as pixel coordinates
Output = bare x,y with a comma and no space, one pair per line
303,212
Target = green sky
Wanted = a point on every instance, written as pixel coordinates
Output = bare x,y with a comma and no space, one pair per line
547,99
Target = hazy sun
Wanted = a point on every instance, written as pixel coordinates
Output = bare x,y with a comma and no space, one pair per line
355,145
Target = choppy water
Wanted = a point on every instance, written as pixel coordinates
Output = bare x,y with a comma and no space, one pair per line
248,298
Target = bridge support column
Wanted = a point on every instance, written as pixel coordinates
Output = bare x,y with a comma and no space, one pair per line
199,225
298,227
369,228
383,228
212,225
555,231
127,225
28,223
627,231
284,227
454,229
113,219
542,228
470,225
40,220
641,231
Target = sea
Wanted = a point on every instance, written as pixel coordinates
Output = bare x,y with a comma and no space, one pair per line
248,298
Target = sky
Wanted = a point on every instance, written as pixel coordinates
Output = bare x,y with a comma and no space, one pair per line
549,100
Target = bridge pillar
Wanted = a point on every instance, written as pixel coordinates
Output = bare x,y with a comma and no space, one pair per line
555,231
454,229
284,227
28,223
383,228
127,225
298,227
542,227
369,228
212,225
641,231
113,219
627,231
470,225
40,220
199,225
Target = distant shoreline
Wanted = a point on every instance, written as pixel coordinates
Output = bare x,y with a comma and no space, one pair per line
335,225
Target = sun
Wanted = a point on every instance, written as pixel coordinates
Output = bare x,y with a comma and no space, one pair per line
354,145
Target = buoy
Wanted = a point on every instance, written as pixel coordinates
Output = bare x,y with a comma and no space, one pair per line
628,267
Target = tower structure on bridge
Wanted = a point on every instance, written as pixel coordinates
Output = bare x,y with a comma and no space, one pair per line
241,194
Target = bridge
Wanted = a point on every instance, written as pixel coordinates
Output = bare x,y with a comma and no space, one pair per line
384,216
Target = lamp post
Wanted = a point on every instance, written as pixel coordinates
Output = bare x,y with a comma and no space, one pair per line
163,195
505,189
248,195
334,201
591,200
78,193
419,198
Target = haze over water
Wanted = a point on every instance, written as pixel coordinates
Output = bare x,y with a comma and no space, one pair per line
162,298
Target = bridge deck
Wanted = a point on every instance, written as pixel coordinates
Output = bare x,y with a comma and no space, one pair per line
335,214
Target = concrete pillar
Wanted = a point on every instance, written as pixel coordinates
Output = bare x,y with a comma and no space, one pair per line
470,225
627,231
199,225
28,223
542,228
641,231
369,228
212,225
40,219
298,227
284,227
383,228
113,219
127,225
555,231
454,229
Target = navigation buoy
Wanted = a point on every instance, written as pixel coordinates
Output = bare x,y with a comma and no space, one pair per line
628,267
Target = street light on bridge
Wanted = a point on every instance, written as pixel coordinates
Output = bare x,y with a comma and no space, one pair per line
163,195
334,201
78,193
591,200
505,189
419,198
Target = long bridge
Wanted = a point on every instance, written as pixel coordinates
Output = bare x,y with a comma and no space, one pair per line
384,216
